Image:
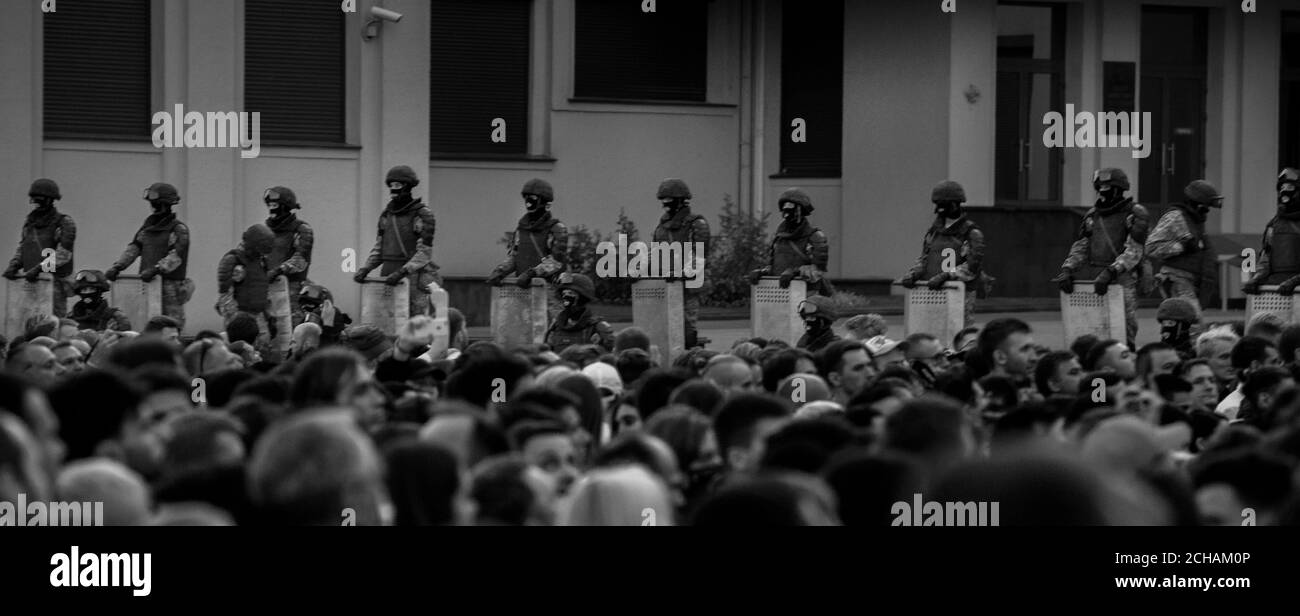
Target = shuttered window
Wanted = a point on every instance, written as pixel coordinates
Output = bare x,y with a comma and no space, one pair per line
812,87
479,64
294,71
97,69
623,53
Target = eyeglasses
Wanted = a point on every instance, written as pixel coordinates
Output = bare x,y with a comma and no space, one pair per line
150,194
271,195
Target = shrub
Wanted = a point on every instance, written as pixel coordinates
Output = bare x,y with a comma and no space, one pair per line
740,246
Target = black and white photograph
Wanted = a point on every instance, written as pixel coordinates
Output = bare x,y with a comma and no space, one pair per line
726,264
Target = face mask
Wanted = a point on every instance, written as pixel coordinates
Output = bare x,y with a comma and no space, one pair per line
672,206
274,208
570,300
1203,210
1175,332
532,204
947,210
791,215
812,324
41,202
89,299
398,189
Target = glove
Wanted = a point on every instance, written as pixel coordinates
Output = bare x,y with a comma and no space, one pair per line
361,275
394,278
1104,279
906,282
1287,287
756,276
494,280
1250,287
112,273
786,277
33,274
938,281
1065,280
11,274
525,280
151,273
1192,244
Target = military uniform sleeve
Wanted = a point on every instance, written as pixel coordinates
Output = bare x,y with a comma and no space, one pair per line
226,273
424,228
507,267
16,263
1135,246
918,269
130,254
178,244
303,241
821,250
376,252
558,250
972,256
700,233
1167,239
1264,265
67,239
1079,249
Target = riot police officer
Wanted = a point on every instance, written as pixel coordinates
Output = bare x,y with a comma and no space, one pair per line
163,246
540,243
46,228
1180,241
404,245
244,280
799,249
91,310
291,252
683,227
1279,261
318,307
576,323
953,249
818,314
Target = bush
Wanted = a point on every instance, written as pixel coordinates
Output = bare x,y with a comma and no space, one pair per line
740,246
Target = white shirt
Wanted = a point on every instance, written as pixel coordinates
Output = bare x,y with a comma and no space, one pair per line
1231,404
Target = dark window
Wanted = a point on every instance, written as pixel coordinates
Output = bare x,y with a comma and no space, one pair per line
626,54
479,67
812,87
1031,52
97,70
1289,122
294,72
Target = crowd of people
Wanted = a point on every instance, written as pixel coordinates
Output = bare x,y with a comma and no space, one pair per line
373,428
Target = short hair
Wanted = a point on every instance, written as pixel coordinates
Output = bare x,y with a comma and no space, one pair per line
1248,350
1261,380
764,500
501,492
994,334
657,387
781,364
1167,385
738,418
1045,371
807,445
423,479
831,358
93,407
1288,343
221,385
957,383
156,378
1260,479
930,427
1265,324
1144,355
552,399
317,379
683,429
62,344
1081,345
473,382
242,326
698,394
1205,341
631,364
631,338
131,354
966,331
868,484
193,444
66,322
1186,367
524,431
161,322
1097,352
309,467
39,325
877,391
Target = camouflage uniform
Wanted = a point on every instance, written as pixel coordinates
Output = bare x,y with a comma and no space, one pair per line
46,227
405,243
291,256
163,245
538,248
243,282
1112,237
685,227
96,314
1279,261
1179,240
966,240
584,328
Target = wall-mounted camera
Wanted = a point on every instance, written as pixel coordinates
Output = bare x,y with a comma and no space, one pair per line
378,15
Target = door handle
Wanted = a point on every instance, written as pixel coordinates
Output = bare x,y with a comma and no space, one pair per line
1027,156
1020,153
1164,159
1173,157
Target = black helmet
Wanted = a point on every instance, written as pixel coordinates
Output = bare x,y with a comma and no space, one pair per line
579,283
90,279
162,192
44,188
798,197
1203,193
314,295
1110,176
540,189
403,174
673,188
281,195
948,191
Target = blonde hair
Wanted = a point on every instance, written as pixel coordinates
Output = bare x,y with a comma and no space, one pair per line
620,496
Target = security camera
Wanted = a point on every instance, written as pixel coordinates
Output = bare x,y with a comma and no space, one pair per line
380,12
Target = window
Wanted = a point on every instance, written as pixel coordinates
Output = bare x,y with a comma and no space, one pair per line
294,72
479,67
97,70
1031,44
623,53
1289,122
812,86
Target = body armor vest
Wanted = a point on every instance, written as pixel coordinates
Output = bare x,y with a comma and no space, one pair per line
1102,252
1284,249
794,251
39,236
251,294
155,243
400,239
1189,260
282,247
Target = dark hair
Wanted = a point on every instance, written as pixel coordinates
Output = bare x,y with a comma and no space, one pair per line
1031,489
93,406
155,378
255,415
767,500
1248,350
698,394
1167,385
683,429
637,448
991,337
1261,380
807,445
1260,479
1003,388
738,418
131,354
268,387
591,409
1045,371
867,485
1289,343
474,382
632,364
316,381
957,383
161,322
220,385
966,331
1022,421
1098,351
455,324
193,443
521,432
878,390
657,387
1082,345
631,338
831,358
930,427
1144,356
423,479
501,492
780,364
1187,366
581,354
242,326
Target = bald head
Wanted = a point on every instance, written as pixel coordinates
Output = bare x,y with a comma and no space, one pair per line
306,338
730,373
34,363
98,480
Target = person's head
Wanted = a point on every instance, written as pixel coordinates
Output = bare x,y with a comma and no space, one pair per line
800,389
68,329
1176,392
847,367
1266,325
589,409
25,468
628,495
1111,355
698,394
631,364
1262,387
548,445
690,435
194,442
818,313
39,325
133,353
1155,359
1176,317
1216,346
1250,354
933,429
1288,344
965,340
329,377
209,355
886,353
490,380
508,491
165,328
807,445
43,194
657,387
70,358
769,500
306,338
368,341
631,338
424,484
624,415
124,494
868,484
463,430
1228,484
457,334
784,362
167,393
310,468
1031,488
98,411
866,326
926,350
1081,345
1007,346
742,426
731,374
1030,424
1058,372
33,362
1205,387
883,398
1110,183
280,203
